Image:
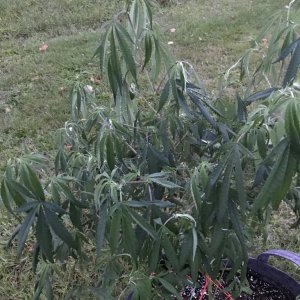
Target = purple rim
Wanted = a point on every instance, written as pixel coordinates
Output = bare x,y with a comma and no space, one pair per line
291,256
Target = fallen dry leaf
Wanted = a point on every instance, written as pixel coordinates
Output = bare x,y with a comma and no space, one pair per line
7,110
35,78
96,79
43,47
89,89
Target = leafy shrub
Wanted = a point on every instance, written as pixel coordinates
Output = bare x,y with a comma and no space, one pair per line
165,182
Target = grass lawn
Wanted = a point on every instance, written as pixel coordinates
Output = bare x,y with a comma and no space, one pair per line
35,84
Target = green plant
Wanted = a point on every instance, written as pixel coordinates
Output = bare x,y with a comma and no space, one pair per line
166,181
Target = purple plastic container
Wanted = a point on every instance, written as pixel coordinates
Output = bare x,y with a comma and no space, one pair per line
272,275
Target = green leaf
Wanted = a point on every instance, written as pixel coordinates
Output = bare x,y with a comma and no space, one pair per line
148,49
139,204
115,228
49,289
186,249
195,190
125,50
102,49
143,223
156,60
59,229
237,226
292,69
165,183
75,216
197,101
115,63
44,236
60,162
261,95
195,242
145,288
35,257
112,79
224,190
128,237
154,256
170,252
100,233
169,287
32,182
40,284
278,181
217,242
18,192
164,96
24,230
261,143
287,180
5,196
110,153
287,50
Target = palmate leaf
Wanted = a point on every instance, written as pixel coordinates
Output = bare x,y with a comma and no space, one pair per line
60,183
32,182
278,181
143,223
17,192
197,101
201,94
59,229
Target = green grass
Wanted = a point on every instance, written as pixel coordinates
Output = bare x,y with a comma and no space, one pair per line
34,85
213,35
